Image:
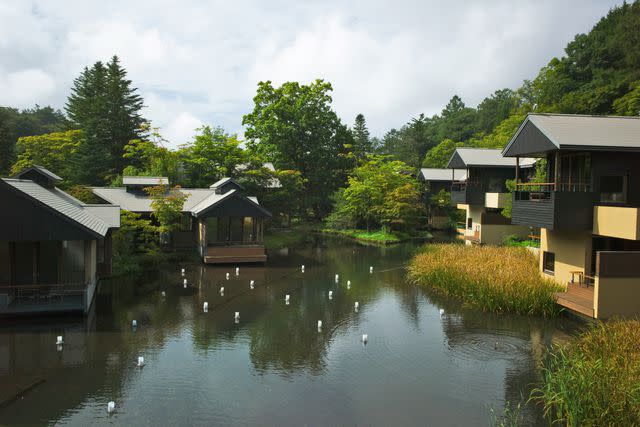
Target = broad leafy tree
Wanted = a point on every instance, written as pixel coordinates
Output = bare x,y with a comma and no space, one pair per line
52,151
379,193
16,123
213,154
295,127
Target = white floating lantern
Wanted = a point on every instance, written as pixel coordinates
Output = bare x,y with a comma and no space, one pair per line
337,278
236,315
330,294
134,323
59,340
356,306
163,294
221,290
319,324
302,268
205,306
184,282
227,276
365,338
286,298
442,312
183,271
348,282
370,269
111,407
140,361
237,271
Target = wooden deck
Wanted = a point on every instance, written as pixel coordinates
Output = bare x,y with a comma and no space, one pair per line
235,254
577,298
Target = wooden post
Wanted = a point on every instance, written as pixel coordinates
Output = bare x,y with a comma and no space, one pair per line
517,171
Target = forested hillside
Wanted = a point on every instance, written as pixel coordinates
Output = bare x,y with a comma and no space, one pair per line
599,74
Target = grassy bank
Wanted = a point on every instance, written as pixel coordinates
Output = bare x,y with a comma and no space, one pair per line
379,236
494,279
595,379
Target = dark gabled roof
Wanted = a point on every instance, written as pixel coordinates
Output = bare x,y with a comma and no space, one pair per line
224,181
68,207
463,158
216,200
46,173
541,133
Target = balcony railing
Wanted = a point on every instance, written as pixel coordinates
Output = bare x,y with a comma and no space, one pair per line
543,190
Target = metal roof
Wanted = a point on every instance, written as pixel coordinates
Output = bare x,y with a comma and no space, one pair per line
574,131
68,206
145,180
220,182
43,171
195,201
438,174
484,157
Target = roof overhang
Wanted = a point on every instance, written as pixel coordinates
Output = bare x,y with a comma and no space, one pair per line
232,204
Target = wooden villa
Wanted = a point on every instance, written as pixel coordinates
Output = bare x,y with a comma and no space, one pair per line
220,222
483,194
435,180
588,208
53,247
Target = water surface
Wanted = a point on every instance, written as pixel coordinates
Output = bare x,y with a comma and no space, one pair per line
273,367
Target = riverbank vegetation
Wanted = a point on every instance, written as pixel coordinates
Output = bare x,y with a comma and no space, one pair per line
595,379
490,278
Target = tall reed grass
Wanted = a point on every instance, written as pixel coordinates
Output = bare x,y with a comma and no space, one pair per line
595,379
491,278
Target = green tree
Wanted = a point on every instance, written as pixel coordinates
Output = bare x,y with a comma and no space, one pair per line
167,206
107,108
211,155
380,192
295,127
149,157
16,123
438,156
361,139
52,151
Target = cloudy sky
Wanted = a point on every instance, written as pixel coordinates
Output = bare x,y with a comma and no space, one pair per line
198,62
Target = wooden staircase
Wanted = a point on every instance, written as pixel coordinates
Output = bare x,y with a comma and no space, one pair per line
577,298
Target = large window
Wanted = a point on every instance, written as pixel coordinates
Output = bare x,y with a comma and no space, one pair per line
549,262
613,189
469,223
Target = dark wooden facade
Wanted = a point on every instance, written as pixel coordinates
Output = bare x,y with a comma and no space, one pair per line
480,180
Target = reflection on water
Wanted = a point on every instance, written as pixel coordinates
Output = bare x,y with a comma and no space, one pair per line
273,366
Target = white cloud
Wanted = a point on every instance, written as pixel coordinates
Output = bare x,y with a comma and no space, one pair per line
26,87
180,130
199,62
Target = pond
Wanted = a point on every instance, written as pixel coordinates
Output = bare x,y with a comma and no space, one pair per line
427,360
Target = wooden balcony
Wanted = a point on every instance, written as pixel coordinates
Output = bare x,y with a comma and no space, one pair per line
578,298
554,207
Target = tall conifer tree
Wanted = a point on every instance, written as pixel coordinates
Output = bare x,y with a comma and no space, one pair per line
107,108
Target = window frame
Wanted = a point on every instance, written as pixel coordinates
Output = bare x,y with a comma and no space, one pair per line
545,255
